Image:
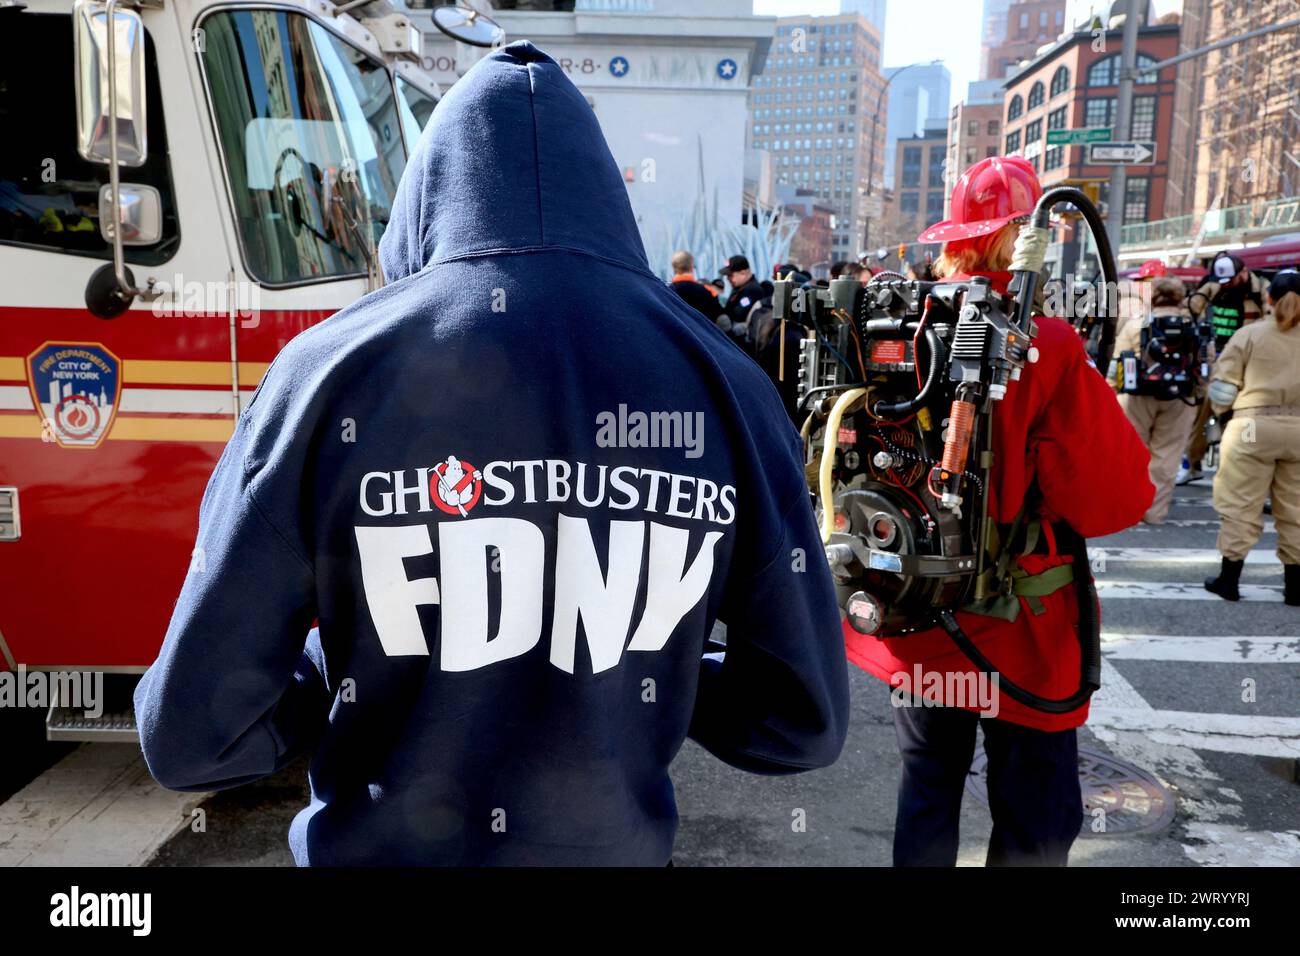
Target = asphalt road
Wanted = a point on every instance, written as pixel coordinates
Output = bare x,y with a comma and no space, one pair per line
1177,708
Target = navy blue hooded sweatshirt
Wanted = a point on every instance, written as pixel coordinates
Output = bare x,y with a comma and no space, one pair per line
515,487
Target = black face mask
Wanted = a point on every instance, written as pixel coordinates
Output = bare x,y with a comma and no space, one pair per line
1233,296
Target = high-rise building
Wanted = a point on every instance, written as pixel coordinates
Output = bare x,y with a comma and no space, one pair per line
921,189
918,100
994,18
873,10
1029,25
812,107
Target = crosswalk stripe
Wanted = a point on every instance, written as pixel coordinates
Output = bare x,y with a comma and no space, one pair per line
1253,734
1227,649
1115,691
1180,591
1269,527
1173,556
1215,844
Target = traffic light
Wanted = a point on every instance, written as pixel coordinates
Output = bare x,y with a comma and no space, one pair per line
902,251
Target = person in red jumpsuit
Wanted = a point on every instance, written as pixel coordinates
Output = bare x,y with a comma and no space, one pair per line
1062,443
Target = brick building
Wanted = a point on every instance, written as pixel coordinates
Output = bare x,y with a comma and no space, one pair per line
1029,24
1235,142
920,186
1074,85
811,246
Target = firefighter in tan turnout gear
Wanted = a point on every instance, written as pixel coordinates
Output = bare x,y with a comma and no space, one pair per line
1258,377
1157,372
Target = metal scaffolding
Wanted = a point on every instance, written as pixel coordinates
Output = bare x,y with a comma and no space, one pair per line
1248,120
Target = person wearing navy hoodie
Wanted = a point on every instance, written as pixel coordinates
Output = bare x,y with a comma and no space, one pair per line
515,516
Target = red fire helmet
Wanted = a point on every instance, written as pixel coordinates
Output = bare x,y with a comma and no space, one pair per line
988,195
1153,269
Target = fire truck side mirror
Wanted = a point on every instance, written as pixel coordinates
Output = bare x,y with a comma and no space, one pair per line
139,214
105,99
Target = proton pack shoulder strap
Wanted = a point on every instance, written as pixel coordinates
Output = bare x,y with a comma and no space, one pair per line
1088,632
1000,587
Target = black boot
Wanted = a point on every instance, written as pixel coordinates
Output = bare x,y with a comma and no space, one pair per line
1225,585
1292,592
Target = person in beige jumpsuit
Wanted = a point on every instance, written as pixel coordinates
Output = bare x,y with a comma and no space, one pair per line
1162,424
1258,377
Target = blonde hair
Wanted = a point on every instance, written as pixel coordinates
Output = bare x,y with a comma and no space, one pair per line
683,262
1168,290
991,253
1286,311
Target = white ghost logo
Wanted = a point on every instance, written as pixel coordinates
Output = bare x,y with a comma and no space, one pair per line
452,487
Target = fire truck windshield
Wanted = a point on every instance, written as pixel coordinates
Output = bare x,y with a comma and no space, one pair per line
311,137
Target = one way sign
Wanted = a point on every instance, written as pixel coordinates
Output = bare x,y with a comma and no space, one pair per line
1121,154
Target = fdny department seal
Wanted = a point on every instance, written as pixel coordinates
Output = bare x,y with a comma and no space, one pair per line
76,388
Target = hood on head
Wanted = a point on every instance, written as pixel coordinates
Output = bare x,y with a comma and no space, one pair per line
512,157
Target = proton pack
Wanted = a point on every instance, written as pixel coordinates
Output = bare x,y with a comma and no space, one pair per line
1167,363
902,377
899,382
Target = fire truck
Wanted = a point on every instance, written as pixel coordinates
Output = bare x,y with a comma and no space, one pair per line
184,186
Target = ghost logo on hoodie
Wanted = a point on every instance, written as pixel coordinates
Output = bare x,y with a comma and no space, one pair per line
458,485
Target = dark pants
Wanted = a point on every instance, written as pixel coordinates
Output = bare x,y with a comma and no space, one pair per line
1033,778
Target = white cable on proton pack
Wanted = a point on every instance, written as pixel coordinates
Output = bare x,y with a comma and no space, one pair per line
828,458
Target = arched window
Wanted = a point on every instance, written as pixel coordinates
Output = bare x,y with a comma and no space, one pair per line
1060,80
1106,72
1016,108
1036,95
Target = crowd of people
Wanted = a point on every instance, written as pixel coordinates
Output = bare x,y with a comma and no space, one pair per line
745,311
1215,359
1206,367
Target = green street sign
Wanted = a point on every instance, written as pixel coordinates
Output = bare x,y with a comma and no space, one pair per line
1078,137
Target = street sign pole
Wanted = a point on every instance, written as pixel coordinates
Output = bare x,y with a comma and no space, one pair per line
1123,123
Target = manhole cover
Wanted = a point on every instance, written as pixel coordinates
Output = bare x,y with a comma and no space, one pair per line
1131,799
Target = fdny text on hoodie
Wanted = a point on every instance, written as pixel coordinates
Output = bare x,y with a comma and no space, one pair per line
515,551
